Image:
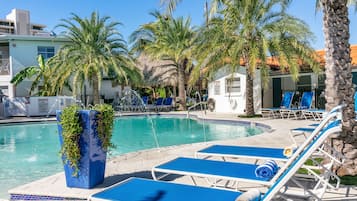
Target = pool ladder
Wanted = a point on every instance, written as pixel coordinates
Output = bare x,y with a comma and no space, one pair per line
203,106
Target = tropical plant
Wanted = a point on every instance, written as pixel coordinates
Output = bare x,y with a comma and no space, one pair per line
42,75
246,33
168,39
72,129
339,87
96,48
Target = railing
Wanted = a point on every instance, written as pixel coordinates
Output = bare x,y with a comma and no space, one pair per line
4,67
203,107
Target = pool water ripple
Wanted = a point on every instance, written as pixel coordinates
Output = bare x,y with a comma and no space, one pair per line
31,151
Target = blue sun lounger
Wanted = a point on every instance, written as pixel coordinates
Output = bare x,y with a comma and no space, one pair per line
285,103
157,190
227,151
216,171
305,104
137,189
264,153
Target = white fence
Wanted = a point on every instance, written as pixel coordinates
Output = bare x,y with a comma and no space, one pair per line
35,106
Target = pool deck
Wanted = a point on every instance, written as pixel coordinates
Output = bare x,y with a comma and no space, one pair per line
139,164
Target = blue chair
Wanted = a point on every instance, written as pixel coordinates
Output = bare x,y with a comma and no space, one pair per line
305,104
244,172
317,114
167,105
264,153
285,103
138,189
145,100
158,103
163,191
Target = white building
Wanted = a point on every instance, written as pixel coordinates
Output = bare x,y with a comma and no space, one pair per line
18,22
228,91
20,44
20,51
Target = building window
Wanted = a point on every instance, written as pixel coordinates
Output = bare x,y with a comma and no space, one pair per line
233,85
304,83
46,52
4,90
217,88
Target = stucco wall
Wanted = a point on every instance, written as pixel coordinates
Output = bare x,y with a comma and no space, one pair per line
24,53
234,102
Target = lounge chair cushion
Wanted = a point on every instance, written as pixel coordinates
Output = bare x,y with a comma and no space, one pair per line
251,195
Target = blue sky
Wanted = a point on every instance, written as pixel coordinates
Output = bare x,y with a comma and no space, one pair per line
133,13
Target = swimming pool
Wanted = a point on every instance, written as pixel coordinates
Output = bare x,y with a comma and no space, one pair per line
31,151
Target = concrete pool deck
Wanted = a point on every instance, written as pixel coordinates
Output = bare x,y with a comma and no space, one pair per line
139,164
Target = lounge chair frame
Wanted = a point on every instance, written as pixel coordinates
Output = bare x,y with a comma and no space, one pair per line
285,103
285,173
250,154
305,104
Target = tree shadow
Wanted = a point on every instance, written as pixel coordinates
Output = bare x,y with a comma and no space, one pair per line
114,179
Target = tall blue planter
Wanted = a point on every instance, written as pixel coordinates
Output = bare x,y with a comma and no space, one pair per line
93,157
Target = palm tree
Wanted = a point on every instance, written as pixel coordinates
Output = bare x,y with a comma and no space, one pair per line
42,74
168,39
96,49
339,86
246,32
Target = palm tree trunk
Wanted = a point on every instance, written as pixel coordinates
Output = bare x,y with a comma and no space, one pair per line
249,98
181,85
95,90
339,86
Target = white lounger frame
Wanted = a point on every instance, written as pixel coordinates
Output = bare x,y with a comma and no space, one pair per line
287,171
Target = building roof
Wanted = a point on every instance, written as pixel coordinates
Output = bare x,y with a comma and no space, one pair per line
274,63
321,54
11,37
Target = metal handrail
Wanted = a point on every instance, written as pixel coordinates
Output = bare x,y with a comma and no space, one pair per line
195,105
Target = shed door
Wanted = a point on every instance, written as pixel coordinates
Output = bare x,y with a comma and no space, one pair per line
276,92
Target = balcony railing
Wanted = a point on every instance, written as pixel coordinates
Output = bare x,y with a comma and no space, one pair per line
4,67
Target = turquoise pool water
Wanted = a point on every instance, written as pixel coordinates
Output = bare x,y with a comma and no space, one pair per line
29,152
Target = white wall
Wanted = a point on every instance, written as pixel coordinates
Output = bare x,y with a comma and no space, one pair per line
36,106
24,54
234,102
268,94
288,84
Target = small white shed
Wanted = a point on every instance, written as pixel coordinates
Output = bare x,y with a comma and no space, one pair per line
228,91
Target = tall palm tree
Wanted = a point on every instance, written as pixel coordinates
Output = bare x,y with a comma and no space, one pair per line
246,32
339,86
42,75
96,49
168,39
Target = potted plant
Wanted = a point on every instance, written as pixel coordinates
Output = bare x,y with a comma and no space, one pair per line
85,137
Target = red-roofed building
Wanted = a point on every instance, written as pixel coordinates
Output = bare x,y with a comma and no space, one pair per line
308,81
228,91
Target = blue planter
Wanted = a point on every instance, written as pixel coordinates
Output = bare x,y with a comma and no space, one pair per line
93,157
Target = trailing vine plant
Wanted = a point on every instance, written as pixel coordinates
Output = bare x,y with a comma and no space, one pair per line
71,130
105,124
